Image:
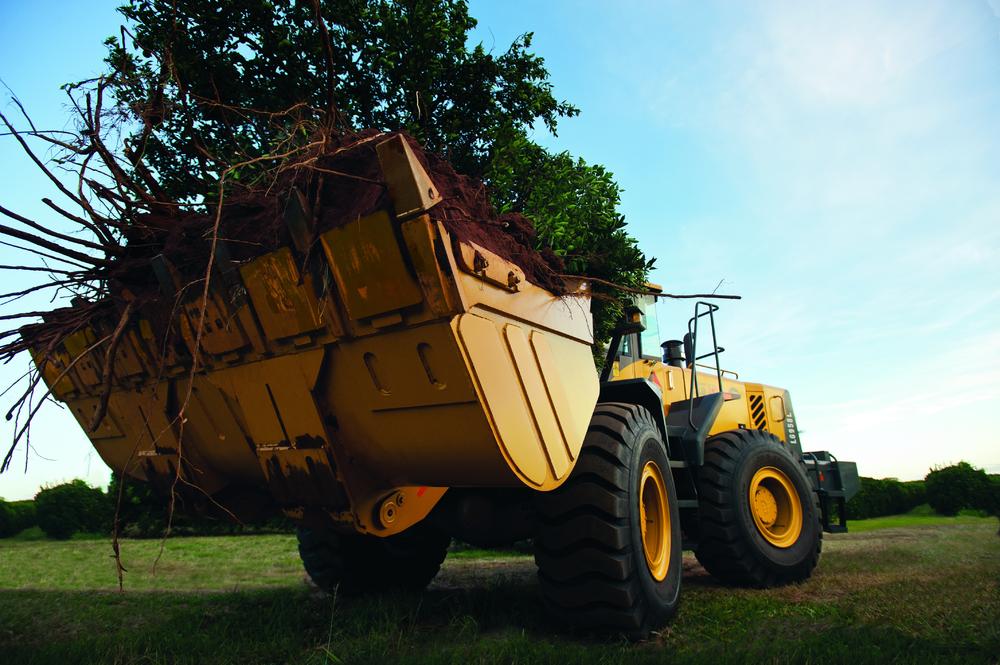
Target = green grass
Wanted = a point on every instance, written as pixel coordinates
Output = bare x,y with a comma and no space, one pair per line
929,593
187,564
918,517
36,533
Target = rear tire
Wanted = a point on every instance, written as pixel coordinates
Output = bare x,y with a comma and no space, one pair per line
357,563
598,567
749,541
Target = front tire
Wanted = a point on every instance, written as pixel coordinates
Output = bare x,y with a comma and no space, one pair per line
758,514
355,563
608,547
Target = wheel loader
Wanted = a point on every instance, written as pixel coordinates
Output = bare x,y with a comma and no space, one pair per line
390,387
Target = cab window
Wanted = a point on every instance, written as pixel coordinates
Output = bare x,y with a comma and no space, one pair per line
627,353
649,339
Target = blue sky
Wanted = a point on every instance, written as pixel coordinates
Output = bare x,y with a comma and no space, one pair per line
835,163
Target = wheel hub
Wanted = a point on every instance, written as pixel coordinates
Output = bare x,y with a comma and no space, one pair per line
776,507
654,521
765,505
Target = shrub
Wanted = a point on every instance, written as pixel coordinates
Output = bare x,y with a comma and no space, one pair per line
885,496
6,520
72,507
143,514
25,514
989,499
952,488
15,517
914,494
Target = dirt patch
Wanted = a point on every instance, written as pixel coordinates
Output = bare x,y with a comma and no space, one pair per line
465,573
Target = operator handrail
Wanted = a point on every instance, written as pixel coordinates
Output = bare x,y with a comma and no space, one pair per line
709,311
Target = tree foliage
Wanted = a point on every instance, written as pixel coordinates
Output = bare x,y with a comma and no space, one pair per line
211,84
6,520
990,499
575,209
193,70
74,507
70,508
885,496
16,516
143,513
952,488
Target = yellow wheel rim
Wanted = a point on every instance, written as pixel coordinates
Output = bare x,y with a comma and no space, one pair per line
654,521
775,506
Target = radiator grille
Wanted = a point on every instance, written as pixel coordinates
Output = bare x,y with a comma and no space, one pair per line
757,412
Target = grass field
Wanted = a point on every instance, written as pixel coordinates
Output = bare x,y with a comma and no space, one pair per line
919,516
926,592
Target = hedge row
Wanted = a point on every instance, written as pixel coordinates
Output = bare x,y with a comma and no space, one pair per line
948,490
886,496
143,514
15,517
74,507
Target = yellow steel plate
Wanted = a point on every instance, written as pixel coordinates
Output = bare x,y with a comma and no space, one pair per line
368,265
541,406
285,305
504,397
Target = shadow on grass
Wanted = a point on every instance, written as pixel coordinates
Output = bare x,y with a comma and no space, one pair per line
261,626
497,618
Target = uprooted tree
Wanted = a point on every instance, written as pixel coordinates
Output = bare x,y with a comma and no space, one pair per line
211,83
211,113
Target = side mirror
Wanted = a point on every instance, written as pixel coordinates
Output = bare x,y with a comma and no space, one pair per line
631,322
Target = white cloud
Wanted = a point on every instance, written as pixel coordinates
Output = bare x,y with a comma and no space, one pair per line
902,425
866,239
857,54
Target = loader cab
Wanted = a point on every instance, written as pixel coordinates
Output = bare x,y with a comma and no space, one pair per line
643,341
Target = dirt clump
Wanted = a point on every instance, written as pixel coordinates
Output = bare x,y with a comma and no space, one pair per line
339,179
342,182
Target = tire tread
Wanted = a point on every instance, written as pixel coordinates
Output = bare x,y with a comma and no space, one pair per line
722,548
587,573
